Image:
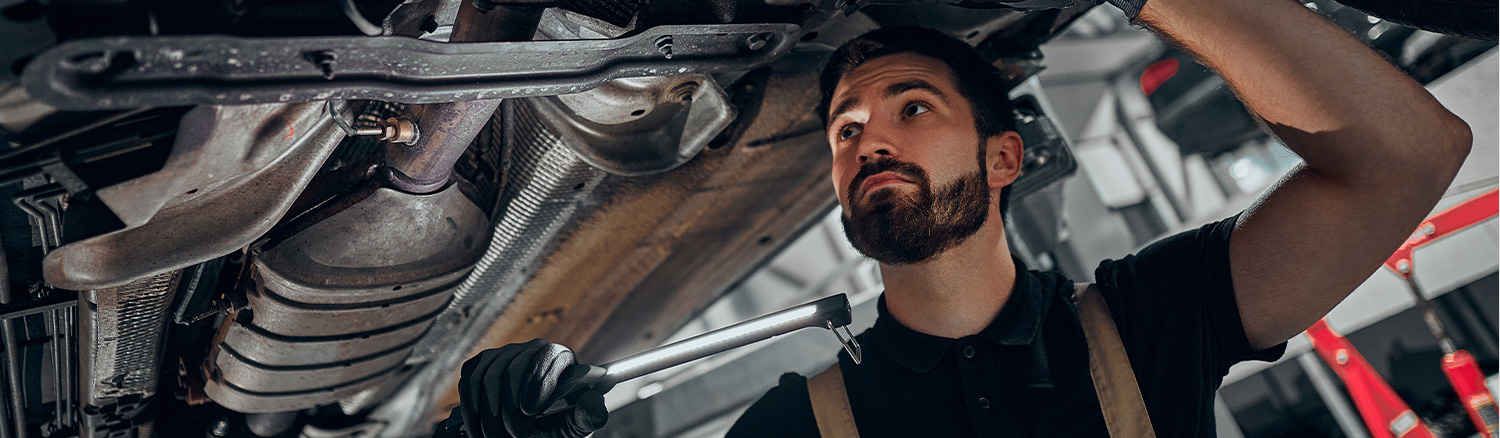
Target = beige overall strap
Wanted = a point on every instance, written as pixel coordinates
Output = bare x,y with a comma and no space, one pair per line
830,403
1119,397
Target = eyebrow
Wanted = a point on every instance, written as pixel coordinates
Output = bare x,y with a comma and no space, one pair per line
915,84
890,91
844,107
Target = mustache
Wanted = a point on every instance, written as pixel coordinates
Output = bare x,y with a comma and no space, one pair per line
885,164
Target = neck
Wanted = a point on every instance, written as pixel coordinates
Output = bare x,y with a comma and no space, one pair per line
959,292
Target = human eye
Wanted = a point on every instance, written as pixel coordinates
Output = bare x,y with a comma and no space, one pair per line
849,131
915,109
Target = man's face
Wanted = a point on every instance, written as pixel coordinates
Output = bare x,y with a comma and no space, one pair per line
908,165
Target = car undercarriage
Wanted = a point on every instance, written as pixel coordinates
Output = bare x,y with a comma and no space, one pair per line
277,218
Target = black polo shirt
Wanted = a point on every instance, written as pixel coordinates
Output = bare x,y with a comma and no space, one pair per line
1027,373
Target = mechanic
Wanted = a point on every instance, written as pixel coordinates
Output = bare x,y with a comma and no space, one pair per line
969,342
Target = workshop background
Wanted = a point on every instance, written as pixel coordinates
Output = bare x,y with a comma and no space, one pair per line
297,218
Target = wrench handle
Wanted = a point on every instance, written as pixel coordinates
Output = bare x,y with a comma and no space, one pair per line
830,312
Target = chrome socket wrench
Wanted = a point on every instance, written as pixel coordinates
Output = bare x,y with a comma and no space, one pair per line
831,313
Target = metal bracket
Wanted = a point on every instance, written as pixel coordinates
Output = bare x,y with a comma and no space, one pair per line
128,72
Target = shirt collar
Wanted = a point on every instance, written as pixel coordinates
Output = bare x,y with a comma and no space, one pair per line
1018,324
1021,318
912,349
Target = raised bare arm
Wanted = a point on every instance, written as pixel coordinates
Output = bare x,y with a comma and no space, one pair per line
1378,152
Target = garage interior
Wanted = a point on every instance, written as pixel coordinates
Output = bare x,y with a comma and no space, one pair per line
310,242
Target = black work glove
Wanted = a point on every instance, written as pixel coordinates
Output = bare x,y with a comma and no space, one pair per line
503,392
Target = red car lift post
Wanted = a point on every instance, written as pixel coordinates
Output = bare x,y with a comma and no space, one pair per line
1385,414
1463,373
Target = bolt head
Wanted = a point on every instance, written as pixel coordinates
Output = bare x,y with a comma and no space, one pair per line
1404,266
757,41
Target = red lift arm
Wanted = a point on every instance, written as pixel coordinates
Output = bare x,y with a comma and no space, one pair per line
1463,373
1385,414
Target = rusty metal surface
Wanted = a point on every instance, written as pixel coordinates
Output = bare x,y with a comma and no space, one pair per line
717,251
549,188
279,316
552,182
385,245
779,166
415,17
555,181
121,341
198,160
298,285
635,127
290,351
630,99
447,129
342,301
249,377
259,402
233,174
661,247
137,71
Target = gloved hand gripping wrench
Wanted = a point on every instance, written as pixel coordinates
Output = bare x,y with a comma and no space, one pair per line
831,313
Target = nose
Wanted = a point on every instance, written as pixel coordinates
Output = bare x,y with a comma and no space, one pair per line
867,155
873,145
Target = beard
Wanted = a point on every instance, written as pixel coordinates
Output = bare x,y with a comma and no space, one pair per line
903,228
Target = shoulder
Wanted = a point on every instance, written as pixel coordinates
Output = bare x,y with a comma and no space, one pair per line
1056,288
784,411
1178,292
1204,250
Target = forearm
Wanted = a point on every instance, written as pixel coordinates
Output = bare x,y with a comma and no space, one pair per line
1352,116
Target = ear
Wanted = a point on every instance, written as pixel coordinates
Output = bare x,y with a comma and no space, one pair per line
1003,155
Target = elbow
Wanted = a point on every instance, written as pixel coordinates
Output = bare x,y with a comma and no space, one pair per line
1463,138
1448,141
1437,144
1426,154
1453,143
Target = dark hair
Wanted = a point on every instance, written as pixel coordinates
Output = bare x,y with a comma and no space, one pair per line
978,81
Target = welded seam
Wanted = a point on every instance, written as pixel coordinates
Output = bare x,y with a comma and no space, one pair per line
428,318
279,299
313,367
333,388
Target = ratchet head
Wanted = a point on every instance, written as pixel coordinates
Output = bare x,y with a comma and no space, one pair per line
834,313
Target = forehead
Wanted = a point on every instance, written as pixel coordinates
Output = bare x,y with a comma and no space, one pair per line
876,73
